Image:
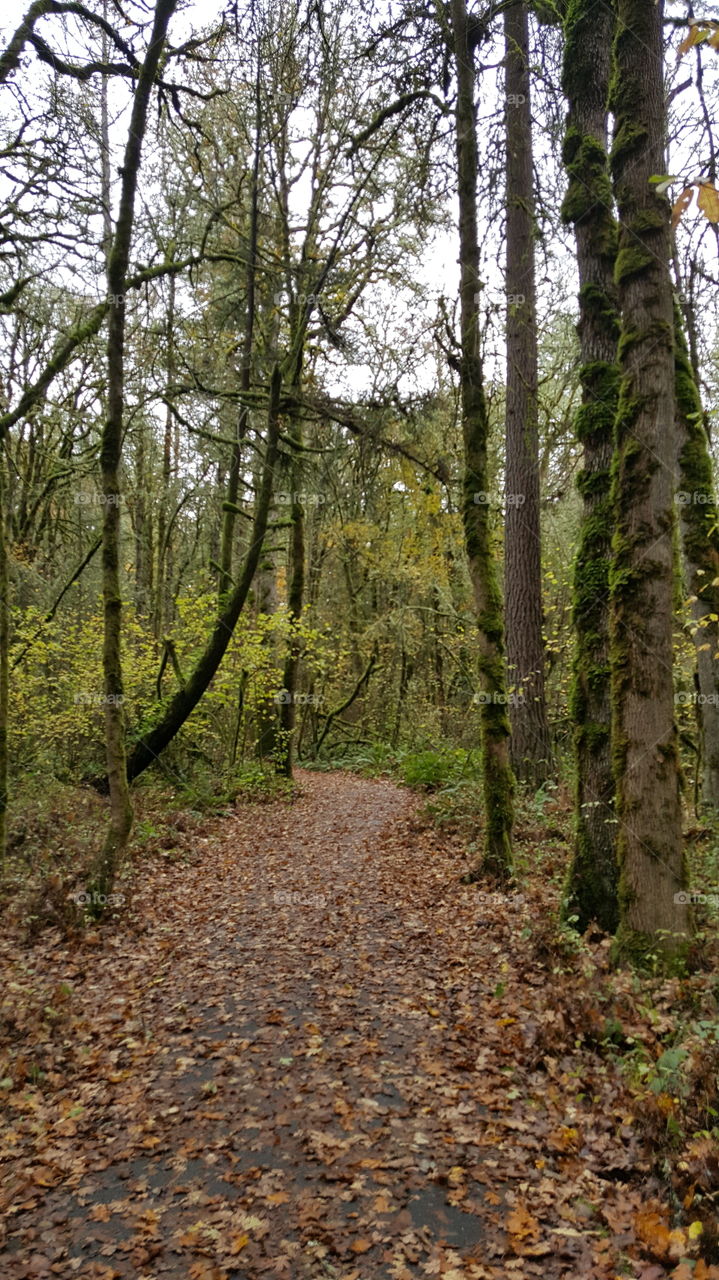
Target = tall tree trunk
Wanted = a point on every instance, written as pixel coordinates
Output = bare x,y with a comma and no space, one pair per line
649,835
105,161
295,599
143,527
164,561
530,743
593,877
267,600
406,671
109,856
4,657
233,479
494,724
699,521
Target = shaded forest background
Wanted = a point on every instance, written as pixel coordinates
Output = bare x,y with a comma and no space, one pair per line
279,467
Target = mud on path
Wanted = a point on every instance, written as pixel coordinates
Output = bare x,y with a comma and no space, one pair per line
312,1054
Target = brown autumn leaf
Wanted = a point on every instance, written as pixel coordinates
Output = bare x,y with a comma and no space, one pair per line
652,1229
522,1224
491,1093
382,1203
100,1213
149,1223
203,1269
565,1138
681,204
694,36
703,30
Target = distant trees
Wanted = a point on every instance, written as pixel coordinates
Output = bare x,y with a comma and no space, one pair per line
225,365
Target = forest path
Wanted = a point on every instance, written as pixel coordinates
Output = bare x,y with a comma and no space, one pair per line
306,1059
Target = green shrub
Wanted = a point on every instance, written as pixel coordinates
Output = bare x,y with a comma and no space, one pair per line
432,770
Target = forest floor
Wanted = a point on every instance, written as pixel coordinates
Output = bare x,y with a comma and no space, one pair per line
312,1051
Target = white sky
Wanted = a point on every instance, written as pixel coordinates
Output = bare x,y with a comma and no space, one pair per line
439,269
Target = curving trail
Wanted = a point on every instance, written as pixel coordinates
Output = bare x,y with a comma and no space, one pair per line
309,1054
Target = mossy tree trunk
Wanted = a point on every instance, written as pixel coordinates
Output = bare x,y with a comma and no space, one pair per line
644,736
497,773
4,660
107,861
142,524
233,478
530,742
295,600
163,583
267,600
591,893
699,524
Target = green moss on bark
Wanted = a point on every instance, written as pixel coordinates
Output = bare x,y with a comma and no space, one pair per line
644,738
591,890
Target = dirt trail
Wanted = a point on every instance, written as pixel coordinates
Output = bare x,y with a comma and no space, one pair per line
299,1066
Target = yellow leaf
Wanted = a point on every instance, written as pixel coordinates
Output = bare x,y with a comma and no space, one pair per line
705,29
708,201
520,1223
677,1244
238,1243
695,35
695,1230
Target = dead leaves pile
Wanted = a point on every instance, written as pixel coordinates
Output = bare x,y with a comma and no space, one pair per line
315,1052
